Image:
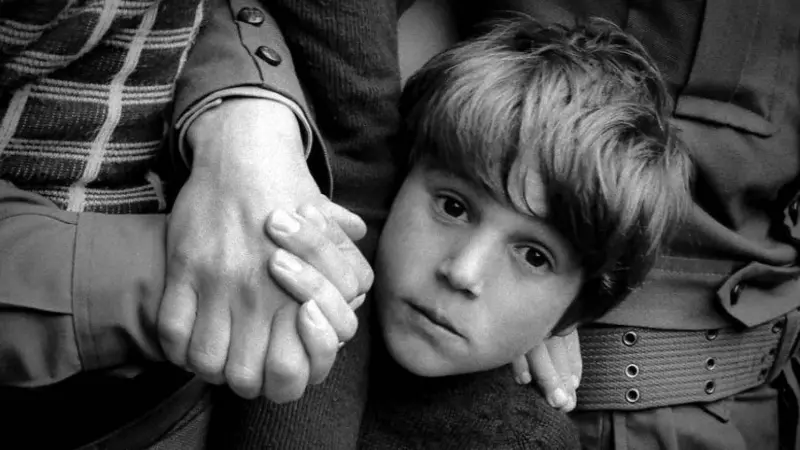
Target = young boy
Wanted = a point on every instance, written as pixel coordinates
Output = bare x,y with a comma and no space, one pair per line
542,178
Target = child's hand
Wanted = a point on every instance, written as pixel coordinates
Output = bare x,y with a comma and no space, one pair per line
320,268
556,367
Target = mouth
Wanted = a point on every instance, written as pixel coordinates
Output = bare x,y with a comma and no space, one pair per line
435,317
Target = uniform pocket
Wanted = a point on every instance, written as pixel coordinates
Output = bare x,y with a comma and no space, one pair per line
737,65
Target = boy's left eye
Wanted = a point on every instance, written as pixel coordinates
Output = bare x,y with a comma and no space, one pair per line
537,258
451,206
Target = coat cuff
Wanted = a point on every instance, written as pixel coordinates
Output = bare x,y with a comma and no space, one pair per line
118,281
215,99
241,46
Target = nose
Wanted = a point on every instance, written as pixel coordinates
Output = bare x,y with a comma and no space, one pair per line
465,269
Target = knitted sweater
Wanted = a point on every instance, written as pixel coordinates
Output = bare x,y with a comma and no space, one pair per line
83,91
485,410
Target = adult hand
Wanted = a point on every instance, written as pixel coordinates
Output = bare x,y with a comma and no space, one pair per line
221,310
556,367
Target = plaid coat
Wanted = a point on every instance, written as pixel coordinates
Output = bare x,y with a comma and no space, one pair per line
84,87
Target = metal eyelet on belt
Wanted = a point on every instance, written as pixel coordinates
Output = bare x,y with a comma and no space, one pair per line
711,334
711,363
632,371
630,338
632,396
710,387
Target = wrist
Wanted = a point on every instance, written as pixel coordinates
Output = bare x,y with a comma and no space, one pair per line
249,131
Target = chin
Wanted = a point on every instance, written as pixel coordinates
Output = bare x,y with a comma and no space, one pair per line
416,356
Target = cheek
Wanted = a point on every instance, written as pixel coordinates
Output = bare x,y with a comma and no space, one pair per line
527,316
401,248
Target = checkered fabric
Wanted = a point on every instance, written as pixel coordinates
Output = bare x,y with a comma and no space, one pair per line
84,90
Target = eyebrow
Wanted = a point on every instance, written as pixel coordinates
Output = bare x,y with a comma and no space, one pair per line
516,202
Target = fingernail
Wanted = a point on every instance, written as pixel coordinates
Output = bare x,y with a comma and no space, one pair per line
357,302
341,344
286,261
315,314
559,398
282,222
525,378
575,382
314,216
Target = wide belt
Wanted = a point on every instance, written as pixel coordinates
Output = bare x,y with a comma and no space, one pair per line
630,368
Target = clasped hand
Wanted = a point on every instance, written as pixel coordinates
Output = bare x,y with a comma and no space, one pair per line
222,315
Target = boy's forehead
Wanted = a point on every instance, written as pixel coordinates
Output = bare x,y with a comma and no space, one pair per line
527,192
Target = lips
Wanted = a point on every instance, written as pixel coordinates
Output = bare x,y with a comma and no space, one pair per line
435,317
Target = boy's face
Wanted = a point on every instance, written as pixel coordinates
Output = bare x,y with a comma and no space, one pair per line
466,283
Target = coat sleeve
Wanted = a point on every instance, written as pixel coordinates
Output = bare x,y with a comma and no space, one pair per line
241,52
78,291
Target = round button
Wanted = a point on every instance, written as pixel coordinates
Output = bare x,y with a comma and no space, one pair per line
253,16
711,334
735,293
630,338
777,327
711,363
269,55
632,370
632,396
710,387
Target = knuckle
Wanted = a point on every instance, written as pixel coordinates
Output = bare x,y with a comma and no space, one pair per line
173,332
242,380
319,289
285,370
284,393
180,258
206,364
318,246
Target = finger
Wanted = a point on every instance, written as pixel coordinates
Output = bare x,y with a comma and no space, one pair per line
208,347
251,322
319,339
358,263
350,223
305,283
559,356
176,317
573,347
358,301
299,237
546,376
286,369
519,367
